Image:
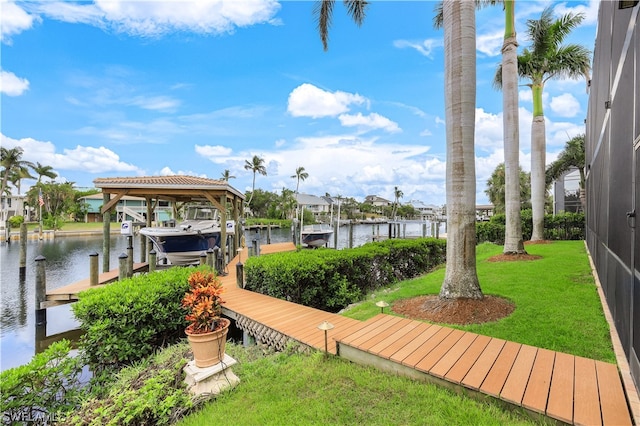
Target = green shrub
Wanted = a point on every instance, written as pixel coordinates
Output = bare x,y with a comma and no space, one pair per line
127,320
16,221
562,226
44,389
150,392
332,279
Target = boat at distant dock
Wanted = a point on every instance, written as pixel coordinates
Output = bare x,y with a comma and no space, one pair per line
316,235
183,244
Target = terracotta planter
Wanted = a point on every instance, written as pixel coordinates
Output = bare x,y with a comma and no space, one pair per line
208,348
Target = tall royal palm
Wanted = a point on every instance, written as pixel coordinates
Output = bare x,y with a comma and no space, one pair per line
300,175
256,165
13,166
545,59
508,81
461,278
397,194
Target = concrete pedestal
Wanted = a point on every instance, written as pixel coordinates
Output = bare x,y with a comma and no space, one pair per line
214,379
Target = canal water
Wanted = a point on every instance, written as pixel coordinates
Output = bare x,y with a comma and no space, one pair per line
67,261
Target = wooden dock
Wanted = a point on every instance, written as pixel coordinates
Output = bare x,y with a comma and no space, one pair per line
567,388
69,293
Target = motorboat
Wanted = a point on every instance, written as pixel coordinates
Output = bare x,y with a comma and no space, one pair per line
183,244
316,235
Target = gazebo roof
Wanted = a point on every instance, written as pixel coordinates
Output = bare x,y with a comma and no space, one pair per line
177,188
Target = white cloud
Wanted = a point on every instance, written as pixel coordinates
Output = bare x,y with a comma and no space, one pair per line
369,122
13,20
12,85
426,132
156,103
308,100
156,18
167,171
425,47
565,105
216,154
83,158
490,44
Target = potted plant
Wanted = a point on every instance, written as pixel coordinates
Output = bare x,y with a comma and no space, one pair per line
207,331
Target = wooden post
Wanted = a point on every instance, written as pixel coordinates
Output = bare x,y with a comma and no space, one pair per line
240,275
216,254
424,229
93,269
210,261
129,256
41,290
23,249
438,229
390,230
350,234
404,230
203,258
143,248
122,268
106,234
152,261
269,234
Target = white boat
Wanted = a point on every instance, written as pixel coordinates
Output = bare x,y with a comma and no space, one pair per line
184,243
316,235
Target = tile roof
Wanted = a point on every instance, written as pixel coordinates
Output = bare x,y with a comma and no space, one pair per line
158,183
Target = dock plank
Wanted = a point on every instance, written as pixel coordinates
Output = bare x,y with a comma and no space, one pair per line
560,405
586,407
516,383
612,400
497,375
460,369
442,367
478,372
537,392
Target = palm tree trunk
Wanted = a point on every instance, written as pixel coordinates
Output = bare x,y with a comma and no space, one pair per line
538,178
461,278
513,241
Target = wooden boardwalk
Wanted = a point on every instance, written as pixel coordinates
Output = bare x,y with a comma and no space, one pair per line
563,387
69,293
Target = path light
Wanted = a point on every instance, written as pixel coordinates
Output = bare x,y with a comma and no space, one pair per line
382,304
326,326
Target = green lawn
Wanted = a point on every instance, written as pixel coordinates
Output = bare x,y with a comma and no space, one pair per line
557,307
557,304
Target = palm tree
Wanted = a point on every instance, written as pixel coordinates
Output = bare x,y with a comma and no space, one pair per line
547,58
300,175
256,165
44,171
324,13
571,156
13,166
461,278
397,195
496,188
226,175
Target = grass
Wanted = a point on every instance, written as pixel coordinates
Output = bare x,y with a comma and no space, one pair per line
557,304
297,389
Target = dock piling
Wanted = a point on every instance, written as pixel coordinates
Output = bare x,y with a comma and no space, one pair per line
93,269
122,270
152,261
203,258
130,256
41,290
210,258
23,249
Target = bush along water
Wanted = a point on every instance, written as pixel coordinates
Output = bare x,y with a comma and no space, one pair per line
563,226
332,279
128,320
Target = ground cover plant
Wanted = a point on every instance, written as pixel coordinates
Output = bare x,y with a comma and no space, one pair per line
556,302
291,388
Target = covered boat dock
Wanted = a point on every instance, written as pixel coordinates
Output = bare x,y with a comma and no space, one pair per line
176,189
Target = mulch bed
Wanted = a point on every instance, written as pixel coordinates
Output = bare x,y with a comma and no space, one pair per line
456,311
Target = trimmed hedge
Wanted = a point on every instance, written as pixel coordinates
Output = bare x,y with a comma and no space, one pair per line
128,320
563,226
331,280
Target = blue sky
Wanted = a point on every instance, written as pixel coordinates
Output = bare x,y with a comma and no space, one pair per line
138,88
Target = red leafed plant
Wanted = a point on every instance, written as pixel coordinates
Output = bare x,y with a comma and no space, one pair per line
203,302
